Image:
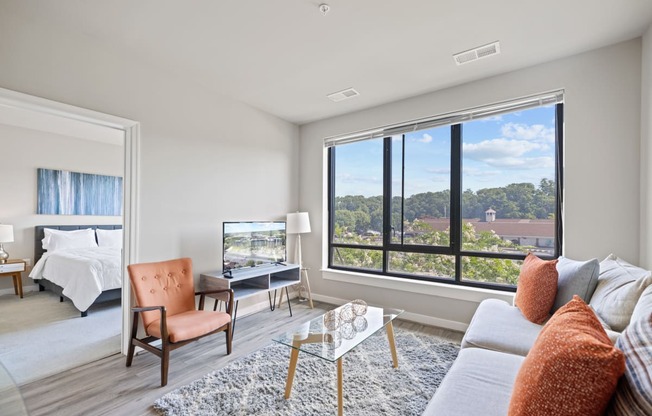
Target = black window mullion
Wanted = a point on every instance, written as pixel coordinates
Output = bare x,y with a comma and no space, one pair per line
559,177
331,204
402,188
387,200
456,198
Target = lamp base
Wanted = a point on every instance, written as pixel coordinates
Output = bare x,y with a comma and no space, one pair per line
4,256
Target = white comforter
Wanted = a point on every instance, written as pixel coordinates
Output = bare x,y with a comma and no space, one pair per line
83,273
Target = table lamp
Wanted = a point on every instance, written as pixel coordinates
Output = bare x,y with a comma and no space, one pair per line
6,236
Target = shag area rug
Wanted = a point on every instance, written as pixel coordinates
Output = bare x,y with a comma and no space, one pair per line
255,385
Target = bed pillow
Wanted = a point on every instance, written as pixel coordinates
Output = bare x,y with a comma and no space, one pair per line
48,232
68,240
572,368
575,278
109,238
536,288
620,285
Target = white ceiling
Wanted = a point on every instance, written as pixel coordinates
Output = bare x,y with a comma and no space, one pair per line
284,57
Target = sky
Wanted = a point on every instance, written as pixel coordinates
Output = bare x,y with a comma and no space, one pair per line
496,151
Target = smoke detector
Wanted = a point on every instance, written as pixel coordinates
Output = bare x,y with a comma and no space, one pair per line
343,95
480,52
324,8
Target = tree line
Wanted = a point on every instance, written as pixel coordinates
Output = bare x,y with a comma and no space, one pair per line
517,200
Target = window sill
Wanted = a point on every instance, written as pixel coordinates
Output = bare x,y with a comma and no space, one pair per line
465,293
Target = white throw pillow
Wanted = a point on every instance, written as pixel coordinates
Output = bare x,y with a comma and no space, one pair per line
620,285
109,238
67,240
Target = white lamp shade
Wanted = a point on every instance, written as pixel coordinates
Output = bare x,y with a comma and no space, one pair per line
298,223
6,233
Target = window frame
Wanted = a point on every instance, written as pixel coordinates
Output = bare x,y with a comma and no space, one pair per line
455,245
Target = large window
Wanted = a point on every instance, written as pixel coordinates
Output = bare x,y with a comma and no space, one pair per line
458,202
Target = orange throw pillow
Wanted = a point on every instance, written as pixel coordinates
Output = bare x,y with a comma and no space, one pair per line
572,368
537,288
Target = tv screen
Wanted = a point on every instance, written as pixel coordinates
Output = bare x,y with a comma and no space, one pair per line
249,244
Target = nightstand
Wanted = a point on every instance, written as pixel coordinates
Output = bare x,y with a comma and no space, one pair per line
14,268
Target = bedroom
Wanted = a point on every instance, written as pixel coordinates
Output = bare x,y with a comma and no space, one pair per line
195,137
40,321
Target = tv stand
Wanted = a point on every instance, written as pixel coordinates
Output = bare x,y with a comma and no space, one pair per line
250,281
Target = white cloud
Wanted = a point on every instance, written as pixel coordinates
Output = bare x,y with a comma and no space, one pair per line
521,162
439,171
425,139
507,154
348,178
481,173
534,132
499,148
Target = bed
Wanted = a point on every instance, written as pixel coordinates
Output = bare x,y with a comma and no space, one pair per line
84,275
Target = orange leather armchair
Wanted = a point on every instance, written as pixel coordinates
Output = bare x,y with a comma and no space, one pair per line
165,298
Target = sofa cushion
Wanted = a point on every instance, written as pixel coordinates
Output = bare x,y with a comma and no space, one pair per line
634,393
643,306
620,285
572,368
575,278
536,289
479,383
498,326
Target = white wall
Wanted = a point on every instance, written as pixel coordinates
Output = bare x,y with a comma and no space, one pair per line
205,158
646,151
602,142
24,151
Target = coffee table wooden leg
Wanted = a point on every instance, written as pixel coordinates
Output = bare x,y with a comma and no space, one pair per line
340,393
294,357
392,346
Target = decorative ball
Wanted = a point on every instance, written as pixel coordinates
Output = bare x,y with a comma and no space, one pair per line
332,320
360,323
346,313
359,307
333,340
347,330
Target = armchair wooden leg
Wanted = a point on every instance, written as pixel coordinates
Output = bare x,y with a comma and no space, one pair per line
132,346
165,363
229,339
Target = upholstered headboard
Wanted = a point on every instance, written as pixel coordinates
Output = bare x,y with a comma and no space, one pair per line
39,234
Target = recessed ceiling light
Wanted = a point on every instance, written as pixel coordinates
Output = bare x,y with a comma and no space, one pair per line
474,54
343,95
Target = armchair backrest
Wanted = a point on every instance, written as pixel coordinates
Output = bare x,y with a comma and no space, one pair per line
166,283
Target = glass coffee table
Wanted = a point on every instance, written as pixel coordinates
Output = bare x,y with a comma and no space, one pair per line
334,334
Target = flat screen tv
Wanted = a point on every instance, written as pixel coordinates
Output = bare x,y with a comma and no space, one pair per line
251,243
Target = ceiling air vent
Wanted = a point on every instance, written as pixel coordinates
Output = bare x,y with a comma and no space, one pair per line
477,53
343,95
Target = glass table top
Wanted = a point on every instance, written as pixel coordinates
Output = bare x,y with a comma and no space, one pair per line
335,333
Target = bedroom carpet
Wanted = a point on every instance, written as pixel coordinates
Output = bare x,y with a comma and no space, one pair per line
39,336
255,384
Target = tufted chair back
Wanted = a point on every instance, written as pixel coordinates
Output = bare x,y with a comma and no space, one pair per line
166,283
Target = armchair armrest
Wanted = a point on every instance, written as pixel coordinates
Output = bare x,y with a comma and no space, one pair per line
148,308
229,306
163,321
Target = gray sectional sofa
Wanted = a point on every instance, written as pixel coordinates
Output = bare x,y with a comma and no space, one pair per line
499,337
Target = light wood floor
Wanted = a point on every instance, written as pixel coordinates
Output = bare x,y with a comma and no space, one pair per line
107,387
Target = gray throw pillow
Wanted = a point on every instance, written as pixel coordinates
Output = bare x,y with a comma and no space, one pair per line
620,286
575,278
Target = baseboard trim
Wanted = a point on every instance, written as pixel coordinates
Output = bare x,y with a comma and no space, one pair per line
408,316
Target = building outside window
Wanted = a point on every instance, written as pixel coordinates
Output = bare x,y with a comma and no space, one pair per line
458,198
